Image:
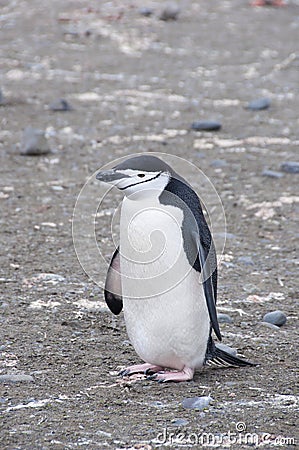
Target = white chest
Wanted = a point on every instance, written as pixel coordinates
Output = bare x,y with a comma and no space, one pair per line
152,253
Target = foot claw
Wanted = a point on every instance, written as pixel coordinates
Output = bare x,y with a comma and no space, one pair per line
152,377
145,369
149,372
123,373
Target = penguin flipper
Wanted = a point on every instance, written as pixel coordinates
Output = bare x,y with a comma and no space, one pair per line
208,287
112,291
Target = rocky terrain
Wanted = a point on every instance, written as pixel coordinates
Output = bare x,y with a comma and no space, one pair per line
130,83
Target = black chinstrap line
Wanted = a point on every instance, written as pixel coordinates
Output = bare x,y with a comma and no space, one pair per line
145,181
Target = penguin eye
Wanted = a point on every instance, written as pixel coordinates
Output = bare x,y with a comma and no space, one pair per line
141,175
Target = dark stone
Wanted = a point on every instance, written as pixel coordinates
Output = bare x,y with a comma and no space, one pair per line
290,167
169,12
2,100
277,318
145,11
205,125
60,105
272,173
224,318
259,104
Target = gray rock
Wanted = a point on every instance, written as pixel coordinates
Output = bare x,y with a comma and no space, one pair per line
34,142
157,404
247,260
170,11
2,100
259,104
179,422
205,125
224,318
16,378
226,235
227,349
60,105
250,288
4,305
290,167
199,403
269,325
277,318
51,278
145,11
218,163
272,173
228,264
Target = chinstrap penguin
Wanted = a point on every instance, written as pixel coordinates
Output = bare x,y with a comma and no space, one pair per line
164,272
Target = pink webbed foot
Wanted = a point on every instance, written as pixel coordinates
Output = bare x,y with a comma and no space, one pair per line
268,2
184,375
279,3
140,368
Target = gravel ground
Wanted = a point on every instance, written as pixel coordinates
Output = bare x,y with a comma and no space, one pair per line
136,84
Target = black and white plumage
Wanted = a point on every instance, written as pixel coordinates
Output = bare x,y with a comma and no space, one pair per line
164,274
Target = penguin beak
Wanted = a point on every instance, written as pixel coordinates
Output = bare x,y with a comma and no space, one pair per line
109,176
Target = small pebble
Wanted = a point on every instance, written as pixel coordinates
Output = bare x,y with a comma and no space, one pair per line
170,12
199,403
275,318
15,378
224,318
157,404
205,125
272,173
34,142
250,288
145,11
218,163
2,101
226,235
290,167
259,104
60,105
247,260
269,325
179,422
227,349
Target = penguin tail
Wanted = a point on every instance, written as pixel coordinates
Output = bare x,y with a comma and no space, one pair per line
216,357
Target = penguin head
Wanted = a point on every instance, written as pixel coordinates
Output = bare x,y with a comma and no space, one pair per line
142,175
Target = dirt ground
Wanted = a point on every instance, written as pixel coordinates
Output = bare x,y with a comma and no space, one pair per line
136,84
